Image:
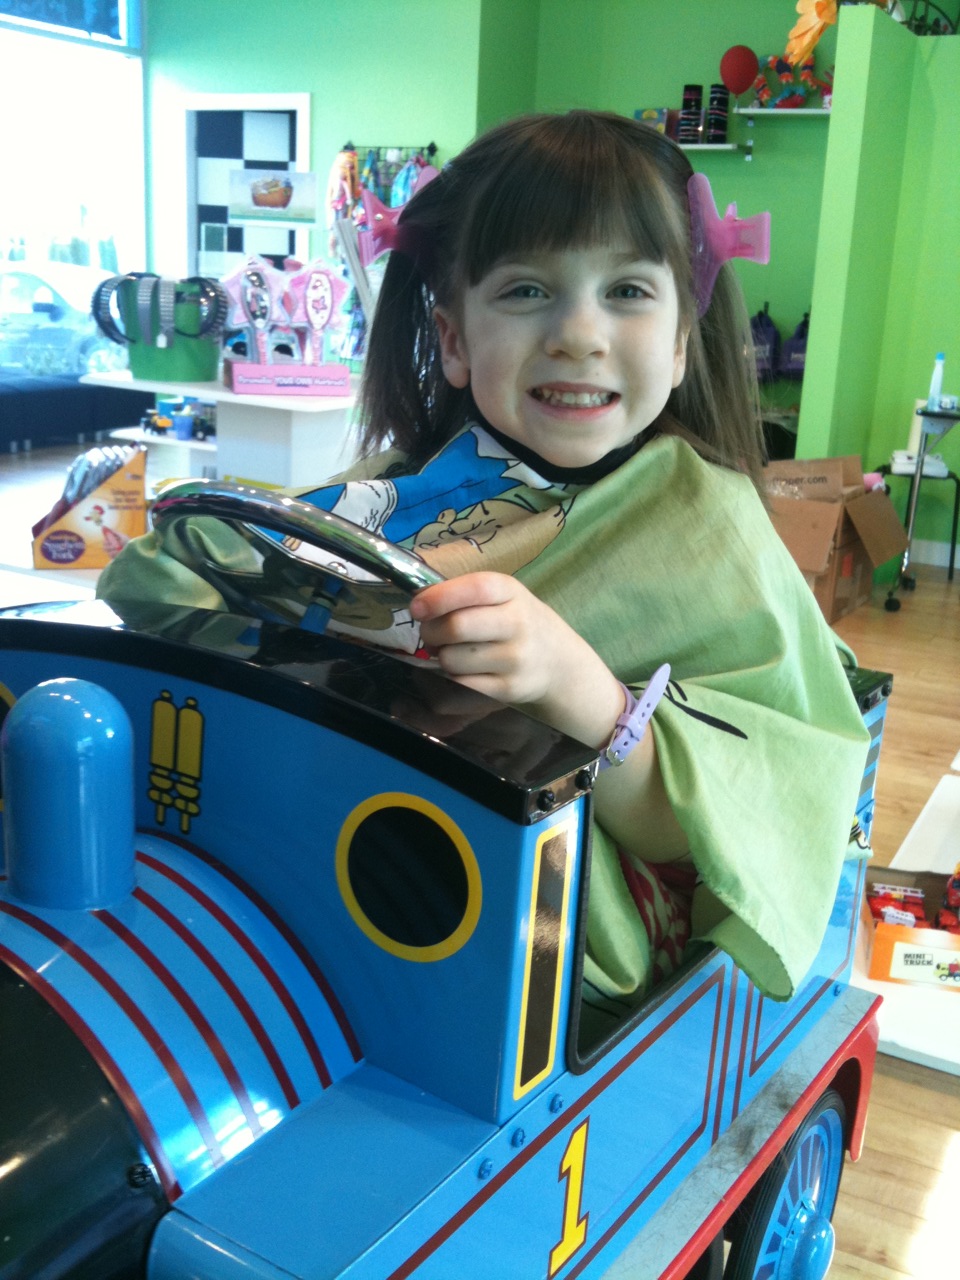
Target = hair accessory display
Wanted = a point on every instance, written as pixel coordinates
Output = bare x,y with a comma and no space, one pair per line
633,721
716,240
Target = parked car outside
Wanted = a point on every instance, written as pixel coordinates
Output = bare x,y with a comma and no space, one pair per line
45,321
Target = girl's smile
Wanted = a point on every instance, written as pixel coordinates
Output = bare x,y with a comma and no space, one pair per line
570,352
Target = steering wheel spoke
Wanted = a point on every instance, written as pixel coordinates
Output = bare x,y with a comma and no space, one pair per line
358,571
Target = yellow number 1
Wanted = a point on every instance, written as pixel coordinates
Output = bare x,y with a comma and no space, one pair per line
574,1226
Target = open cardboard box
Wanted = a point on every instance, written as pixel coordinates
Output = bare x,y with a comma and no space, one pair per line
835,531
899,953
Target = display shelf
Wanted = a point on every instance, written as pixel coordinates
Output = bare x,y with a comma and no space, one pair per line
760,113
270,440
774,114
709,146
187,459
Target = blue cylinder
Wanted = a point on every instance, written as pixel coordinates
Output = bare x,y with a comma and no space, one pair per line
67,755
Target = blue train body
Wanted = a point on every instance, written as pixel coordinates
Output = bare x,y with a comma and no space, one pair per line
328,994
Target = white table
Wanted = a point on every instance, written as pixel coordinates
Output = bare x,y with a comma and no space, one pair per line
268,440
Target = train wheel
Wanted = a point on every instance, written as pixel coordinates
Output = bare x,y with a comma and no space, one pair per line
787,1233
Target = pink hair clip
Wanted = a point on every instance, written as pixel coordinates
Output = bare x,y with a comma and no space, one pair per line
716,240
382,232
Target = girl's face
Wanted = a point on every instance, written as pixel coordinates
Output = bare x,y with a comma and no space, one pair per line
570,352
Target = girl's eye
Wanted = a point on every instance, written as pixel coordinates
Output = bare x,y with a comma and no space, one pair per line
630,291
523,290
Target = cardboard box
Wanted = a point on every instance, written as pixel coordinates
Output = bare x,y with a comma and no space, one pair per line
899,953
90,532
836,532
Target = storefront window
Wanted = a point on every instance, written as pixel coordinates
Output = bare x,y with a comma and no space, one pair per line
114,20
71,195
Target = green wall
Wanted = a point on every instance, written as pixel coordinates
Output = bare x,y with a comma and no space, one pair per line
625,54
509,31
396,72
888,270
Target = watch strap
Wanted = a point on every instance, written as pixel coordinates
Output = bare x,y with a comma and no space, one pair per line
632,722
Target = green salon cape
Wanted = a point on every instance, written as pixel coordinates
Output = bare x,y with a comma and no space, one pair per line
668,558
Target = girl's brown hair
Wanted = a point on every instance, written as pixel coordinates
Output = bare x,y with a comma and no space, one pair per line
542,183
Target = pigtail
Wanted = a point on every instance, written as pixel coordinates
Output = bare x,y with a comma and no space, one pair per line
405,400
718,399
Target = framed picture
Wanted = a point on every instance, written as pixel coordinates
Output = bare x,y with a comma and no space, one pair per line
277,196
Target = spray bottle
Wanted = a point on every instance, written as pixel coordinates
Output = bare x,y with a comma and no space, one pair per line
936,383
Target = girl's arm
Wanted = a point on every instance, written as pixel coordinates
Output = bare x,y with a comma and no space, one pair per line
492,634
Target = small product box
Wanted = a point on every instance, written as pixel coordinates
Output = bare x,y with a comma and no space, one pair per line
103,506
836,531
903,952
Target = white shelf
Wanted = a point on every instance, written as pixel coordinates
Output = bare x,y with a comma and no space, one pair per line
775,113
709,146
284,440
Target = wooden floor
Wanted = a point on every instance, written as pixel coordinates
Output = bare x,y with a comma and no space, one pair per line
895,1216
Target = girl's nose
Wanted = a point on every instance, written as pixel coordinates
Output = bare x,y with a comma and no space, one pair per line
578,330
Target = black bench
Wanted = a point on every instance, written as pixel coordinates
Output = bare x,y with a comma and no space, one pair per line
38,411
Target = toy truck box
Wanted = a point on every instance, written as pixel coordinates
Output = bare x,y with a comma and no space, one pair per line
907,953
836,532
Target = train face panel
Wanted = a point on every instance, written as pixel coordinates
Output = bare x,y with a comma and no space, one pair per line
338,1001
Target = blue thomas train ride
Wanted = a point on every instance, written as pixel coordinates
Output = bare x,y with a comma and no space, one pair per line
291,942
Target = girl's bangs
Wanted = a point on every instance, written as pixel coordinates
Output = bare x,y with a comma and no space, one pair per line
577,192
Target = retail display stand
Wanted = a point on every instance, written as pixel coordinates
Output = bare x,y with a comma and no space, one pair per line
266,440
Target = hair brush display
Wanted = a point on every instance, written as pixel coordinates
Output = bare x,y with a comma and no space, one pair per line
266,303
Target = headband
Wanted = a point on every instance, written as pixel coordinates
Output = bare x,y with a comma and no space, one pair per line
716,240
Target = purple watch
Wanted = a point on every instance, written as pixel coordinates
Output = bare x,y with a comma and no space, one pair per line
632,723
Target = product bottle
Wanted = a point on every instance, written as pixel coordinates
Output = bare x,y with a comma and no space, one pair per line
936,383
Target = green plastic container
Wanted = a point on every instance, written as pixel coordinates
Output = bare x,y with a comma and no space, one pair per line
189,357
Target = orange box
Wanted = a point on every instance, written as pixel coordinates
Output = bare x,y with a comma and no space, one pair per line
898,953
91,532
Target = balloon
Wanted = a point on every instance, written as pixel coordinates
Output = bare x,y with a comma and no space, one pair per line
739,67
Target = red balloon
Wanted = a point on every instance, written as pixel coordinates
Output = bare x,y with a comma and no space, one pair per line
739,67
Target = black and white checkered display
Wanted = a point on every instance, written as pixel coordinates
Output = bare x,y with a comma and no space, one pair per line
228,140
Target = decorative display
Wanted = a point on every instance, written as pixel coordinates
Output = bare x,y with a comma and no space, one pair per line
795,85
815,17
264,302
281,196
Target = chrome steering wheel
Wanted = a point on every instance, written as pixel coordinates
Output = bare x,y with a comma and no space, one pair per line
285,585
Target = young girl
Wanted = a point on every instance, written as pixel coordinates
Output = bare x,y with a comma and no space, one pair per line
574,445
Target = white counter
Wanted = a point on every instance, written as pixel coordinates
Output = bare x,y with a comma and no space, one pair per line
269,440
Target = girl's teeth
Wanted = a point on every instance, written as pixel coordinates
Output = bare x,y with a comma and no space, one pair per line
575,399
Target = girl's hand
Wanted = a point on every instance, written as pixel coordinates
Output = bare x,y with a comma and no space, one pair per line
492,634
